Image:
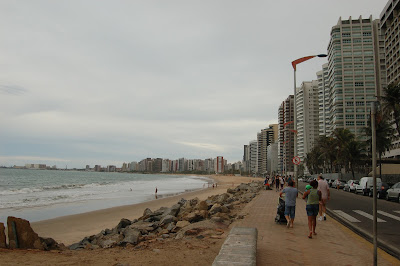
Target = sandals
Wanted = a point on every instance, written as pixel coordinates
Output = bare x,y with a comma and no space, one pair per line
310,235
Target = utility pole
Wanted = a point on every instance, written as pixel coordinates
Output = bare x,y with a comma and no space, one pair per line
375,202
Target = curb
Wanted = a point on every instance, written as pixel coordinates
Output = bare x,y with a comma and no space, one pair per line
239,248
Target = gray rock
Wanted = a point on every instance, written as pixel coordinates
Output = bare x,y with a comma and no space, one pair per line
193,217
147,212
167,219
181,224
202,205
109,241
174,210
182,201
170,227
224,209
123,223
222,198
76,246
131,236
215,208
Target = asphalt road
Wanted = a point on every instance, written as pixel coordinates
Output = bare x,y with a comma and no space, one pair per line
353,209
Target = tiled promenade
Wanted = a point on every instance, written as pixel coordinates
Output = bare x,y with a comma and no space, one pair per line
334,244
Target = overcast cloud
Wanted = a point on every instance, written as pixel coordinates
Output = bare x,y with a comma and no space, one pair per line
105,82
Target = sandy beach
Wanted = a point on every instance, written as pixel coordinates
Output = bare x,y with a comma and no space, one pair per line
190,250
73,228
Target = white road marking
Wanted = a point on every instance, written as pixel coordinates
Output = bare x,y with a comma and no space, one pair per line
369,216
389,215
346,216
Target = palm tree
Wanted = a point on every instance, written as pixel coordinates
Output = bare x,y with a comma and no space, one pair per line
343,137
355,153
328,154
384,135
391,102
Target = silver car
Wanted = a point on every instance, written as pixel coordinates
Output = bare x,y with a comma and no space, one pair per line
350,186
393,192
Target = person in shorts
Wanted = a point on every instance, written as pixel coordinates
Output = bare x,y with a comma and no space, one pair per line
290,203
312,207
325,196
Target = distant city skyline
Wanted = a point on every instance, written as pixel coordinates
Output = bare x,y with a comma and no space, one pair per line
100,83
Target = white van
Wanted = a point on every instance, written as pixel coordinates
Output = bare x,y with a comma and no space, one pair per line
366,183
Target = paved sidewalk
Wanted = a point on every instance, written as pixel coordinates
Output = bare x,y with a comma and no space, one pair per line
334,244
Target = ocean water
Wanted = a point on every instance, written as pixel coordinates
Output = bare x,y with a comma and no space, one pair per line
44,194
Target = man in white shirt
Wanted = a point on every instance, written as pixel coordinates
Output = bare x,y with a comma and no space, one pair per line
325,196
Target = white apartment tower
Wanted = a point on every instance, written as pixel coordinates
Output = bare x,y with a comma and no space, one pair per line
253,147
390,31
323,101
307,107
286,136
264,139
354,73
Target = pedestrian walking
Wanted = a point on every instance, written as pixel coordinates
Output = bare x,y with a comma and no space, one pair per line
291,194
281,181
325,197
312,207
277,183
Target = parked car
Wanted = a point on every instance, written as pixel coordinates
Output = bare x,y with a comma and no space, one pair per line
381,190
330,182
393,192
366,183
350,186
338,183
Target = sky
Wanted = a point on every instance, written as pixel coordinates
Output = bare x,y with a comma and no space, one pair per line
106,82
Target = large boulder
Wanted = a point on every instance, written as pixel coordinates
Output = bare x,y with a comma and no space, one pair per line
21,235
222,198
109,241
167,220
131,236
181,224
245,198
215,209
194,217
202,206
3,243
173,211
122,224
142,226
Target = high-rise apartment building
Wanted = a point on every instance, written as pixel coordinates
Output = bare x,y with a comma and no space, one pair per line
323,101
390,30
286,136
264,139
253,156
246,158
307,108
354,78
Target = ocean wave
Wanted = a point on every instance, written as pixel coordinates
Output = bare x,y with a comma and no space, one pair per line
49,188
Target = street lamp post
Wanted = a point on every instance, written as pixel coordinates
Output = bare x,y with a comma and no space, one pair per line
294,64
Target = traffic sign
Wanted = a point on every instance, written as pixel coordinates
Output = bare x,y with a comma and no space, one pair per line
296,160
